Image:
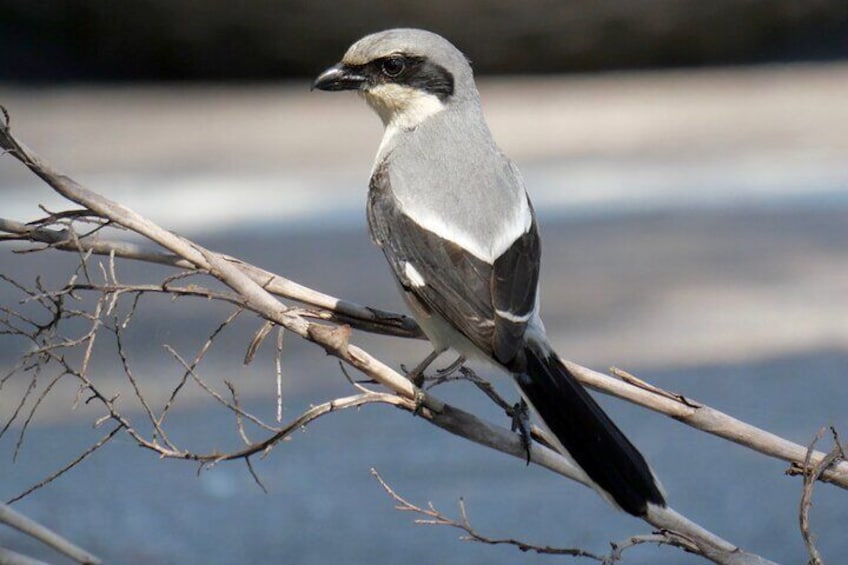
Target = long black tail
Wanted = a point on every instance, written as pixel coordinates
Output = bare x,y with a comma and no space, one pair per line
590,437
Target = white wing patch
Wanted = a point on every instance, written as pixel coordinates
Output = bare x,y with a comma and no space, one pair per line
513,318
513,227
412,274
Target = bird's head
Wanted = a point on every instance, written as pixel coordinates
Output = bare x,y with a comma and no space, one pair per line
406,75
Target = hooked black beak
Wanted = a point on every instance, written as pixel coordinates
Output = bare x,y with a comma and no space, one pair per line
339,77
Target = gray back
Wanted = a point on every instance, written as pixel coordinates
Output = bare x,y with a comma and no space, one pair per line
450,177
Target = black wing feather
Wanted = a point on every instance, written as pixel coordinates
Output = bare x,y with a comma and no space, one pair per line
514,286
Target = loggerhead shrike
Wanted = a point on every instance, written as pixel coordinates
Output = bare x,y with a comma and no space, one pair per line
451,215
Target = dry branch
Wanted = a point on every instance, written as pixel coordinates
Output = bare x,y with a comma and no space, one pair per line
627,387
433,517
251,290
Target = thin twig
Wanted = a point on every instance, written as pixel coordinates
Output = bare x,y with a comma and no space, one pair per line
142,399
249,462
812,474
257,340
47,480
215,394
195,362
278,371
33,409
434,517
239,419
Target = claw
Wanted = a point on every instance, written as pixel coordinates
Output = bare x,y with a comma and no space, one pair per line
452,368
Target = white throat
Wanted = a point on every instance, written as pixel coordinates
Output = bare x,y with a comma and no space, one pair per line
402,106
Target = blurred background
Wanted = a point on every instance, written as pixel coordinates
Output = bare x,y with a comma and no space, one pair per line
266,40
689,165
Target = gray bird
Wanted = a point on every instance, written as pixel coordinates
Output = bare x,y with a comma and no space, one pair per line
451,215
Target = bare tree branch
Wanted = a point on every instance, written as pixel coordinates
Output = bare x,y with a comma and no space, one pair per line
251,287
626,387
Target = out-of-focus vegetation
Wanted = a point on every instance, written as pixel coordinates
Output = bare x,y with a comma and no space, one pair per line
268,39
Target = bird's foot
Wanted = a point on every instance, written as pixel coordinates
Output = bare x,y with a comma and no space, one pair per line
521,424
416,375
420,397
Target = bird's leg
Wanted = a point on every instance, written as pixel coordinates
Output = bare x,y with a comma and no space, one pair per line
416,375
521,424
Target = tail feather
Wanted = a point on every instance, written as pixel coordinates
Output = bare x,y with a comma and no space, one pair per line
588,434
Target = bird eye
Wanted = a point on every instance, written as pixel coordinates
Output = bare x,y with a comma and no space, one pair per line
393,66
